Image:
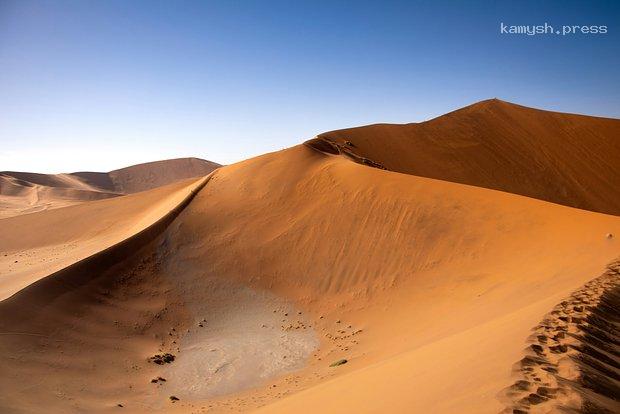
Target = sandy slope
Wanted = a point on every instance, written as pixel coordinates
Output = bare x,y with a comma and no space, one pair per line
79,340
259,277
444,280
564,158
428,288
22,192
36,245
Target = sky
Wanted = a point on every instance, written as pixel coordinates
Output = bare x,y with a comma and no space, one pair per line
99,85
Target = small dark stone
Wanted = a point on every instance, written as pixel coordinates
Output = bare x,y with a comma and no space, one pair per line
173,398
161,359
338,363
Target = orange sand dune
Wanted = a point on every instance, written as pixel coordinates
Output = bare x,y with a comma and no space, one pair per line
563,158
282,265
37,245
301,281
444,280
155,174
19,196
22,192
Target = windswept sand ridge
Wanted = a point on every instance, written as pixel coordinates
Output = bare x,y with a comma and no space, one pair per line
563,158
115,253
22,192
49,241
122,305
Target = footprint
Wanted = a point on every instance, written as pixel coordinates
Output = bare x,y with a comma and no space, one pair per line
578,334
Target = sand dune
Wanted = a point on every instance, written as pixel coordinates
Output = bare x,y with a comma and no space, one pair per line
19,196
301,281
23,192
155,174
426,269
43,243
563,158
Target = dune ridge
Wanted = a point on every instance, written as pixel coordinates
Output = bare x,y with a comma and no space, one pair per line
49,241
46,289
563,158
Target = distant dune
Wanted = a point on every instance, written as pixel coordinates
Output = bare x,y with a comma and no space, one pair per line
563,158
301,281
155,174
23,192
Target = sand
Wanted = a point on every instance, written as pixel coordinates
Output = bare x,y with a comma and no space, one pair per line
261,276
37,245
18,196
563,158
23,192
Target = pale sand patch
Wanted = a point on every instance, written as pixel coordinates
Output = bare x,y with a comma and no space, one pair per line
239,344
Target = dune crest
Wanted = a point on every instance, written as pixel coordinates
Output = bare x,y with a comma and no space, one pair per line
49,241
563,158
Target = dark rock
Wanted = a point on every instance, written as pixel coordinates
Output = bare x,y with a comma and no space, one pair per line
338,363
161,359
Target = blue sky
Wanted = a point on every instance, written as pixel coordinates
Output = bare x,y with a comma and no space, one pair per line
98,85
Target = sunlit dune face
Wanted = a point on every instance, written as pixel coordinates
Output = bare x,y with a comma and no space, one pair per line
325,277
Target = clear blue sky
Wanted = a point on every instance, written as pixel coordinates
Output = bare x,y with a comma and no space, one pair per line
98,85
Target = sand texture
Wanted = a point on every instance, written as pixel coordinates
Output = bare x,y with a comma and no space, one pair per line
426,268
22,192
